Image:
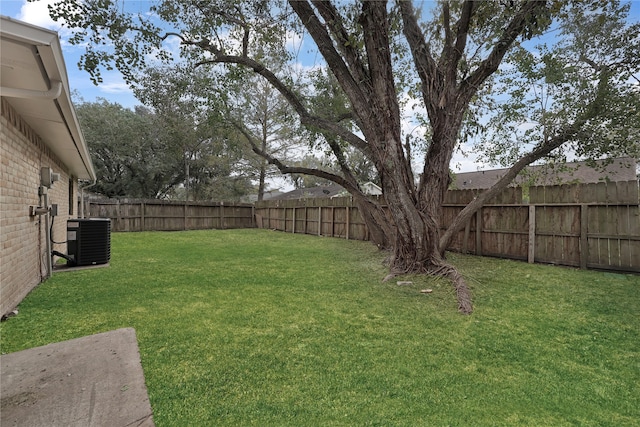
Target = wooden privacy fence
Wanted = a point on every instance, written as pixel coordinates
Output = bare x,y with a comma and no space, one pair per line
582,225
163,215
336,217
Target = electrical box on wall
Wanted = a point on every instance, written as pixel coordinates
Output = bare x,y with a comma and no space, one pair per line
48,177
89,241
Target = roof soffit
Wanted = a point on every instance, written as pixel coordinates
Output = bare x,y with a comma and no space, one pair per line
32,59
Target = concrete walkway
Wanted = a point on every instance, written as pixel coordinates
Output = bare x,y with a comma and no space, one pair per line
90,381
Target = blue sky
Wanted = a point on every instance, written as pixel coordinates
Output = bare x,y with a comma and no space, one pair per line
115,89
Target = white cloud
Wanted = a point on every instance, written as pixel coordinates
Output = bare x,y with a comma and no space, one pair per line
293,42
114,87
466,162
37,13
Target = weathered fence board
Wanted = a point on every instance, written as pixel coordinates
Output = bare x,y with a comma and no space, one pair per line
582,225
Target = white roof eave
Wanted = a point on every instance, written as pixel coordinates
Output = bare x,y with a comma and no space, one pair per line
32,62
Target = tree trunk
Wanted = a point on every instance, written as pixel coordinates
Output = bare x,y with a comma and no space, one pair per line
381,230
416,248
263,162
261,180
415,215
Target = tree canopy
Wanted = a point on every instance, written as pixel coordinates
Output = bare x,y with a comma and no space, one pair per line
443,64
586,79
160,154
132,158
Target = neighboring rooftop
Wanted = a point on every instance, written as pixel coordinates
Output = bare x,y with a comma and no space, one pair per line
268,195
620,169
325,191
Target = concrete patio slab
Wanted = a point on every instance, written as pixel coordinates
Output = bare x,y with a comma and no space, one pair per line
91,381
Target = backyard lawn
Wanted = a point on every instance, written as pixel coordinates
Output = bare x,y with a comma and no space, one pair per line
254,327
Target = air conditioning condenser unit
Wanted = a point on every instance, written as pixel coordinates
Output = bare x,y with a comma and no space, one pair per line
89,241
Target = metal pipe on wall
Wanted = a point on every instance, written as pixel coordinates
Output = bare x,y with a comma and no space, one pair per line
47,231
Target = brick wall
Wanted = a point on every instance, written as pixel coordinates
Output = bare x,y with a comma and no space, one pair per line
23,237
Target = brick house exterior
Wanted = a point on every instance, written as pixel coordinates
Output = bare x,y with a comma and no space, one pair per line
38,129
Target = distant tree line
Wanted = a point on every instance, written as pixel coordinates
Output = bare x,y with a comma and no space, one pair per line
156,154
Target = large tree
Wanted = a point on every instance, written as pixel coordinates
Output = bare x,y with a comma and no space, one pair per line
210,152
381,54
257,111
133,156
585,78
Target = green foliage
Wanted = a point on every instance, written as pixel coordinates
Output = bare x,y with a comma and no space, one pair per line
252,327
383,70
549,85
132,155
195,123
263,118
584,82
150,154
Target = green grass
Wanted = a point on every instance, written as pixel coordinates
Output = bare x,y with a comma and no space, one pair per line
252,327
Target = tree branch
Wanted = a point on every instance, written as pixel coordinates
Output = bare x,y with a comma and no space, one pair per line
376,34
462,30
342,161
470,85
453,50
427,68
305,117
537,153
446,18
358,98
347,48
351,187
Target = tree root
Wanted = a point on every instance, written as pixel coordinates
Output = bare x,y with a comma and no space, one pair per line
463,293
434,266
388,277
442,269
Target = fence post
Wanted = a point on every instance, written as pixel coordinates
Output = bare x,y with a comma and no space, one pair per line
584,236
185,216
319,220
253,216
306,219
532,234
348,214
333,221
294,221
141,216
118,212
479,232
465,244
222,215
